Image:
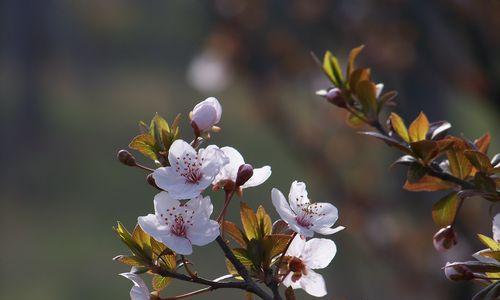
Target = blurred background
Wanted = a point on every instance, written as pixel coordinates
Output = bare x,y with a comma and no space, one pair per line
77,76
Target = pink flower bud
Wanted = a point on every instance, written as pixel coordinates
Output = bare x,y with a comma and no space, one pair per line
206,114
335,97
457,272
445,238
126,158
245,172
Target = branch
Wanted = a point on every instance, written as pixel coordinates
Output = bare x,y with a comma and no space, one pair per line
200,291
251,286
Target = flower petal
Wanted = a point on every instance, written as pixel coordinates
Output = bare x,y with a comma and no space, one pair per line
151,225
318,253
328,230
169,180
282,206
203,233
496,228
178,244
288,282
230,170
298,196
327,215
260,175
164,201
296,247
202,206
213,159
313,283
178,150
140,290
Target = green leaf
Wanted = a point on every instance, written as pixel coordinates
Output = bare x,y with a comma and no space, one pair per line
418,128
159,283
131,260
126,238
264,220
163,254
489,242
142,239
242,255
275,244
354,121
399,126
145,144
235,233
445,210
249,221
332,69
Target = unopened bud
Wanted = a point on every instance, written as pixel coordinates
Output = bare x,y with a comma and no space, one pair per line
457,272
152,181
245,172
335,97
445,239
206,114
126,158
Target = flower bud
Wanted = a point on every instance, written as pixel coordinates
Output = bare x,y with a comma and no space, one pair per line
126,158
152,181
445,238
457,272
335,97
206,114
245,172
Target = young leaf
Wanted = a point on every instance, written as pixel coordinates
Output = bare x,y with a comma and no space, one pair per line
366,92
418,128
249,221
460,166
276,244
386,99
242,255
354,121
131,260
489,242
438,130
145,144
445,210
264,220
332,69
427,184
142,239
235,233
405,160
352,58
425,149
126,237
358,76
399,126
389,141
159,283
479,160
483,143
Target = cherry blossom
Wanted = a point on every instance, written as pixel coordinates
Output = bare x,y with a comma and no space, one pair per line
302,257
181,225
190,172
140,290
303,216
206,114
229,172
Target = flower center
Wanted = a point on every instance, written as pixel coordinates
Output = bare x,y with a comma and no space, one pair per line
179,219
297,267
189,168
305,218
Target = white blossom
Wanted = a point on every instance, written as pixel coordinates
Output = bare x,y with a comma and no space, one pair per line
302,258
206,114
140,290
181,225
190,172
230,170
303,216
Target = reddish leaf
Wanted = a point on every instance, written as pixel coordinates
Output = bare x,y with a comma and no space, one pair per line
428,184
